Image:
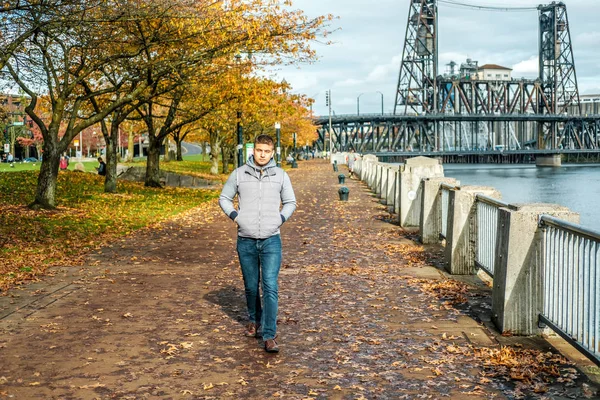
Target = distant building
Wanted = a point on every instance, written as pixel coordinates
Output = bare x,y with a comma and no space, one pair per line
13,102
590,103
494,72
468,69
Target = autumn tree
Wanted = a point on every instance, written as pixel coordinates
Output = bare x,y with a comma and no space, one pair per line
58,59
269,30
262,102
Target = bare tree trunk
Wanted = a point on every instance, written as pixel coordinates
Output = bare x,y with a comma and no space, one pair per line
225,153
45,193
153,163
110,180
179,152
130,145
215,150
166,157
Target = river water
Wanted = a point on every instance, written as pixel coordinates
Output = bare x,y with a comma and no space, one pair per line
575,186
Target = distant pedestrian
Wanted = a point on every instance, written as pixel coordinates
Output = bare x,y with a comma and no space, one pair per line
102,167
261,188
10,158
351,159
63,163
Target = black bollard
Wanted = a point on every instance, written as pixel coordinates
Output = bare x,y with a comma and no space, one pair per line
344,192
342,178
335,168
294,164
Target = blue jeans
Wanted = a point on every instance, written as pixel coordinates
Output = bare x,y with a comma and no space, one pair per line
261,257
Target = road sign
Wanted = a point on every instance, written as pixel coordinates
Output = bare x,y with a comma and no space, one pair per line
6,147
76,142
249,150
18,123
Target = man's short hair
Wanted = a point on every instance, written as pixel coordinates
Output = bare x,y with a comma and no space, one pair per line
264,139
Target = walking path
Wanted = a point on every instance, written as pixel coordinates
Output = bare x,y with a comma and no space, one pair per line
362,315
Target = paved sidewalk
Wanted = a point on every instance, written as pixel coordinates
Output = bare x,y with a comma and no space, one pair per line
160,315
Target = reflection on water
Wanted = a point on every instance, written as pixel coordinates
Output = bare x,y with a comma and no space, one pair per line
575,186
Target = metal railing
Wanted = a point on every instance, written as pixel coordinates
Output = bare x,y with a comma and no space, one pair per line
571,284
487,232
445,190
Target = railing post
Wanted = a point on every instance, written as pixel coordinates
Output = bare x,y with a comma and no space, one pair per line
397,191
430,221
461,233
391,186
379,181
517,295
411,174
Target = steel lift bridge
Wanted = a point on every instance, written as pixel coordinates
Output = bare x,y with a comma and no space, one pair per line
473,120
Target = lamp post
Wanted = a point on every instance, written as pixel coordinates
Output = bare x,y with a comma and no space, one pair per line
294,137
240,140
381,100
240,133
278,148
358,104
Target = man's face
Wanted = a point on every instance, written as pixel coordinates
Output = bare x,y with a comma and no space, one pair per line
262,154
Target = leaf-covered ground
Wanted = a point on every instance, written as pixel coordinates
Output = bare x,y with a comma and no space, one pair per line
191,165
86,218
160,314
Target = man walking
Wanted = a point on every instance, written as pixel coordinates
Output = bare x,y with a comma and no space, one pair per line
261,188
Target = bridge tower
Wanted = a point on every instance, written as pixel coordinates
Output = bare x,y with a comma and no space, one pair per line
557,69
418,70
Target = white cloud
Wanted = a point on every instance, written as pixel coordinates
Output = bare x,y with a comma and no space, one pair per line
367,54
383,71
527,68
348,82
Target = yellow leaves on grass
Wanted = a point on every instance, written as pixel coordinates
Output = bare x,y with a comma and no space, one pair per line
86,219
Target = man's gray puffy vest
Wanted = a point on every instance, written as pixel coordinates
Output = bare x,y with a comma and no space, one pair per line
261,192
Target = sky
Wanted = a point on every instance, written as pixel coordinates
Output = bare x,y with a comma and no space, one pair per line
368,39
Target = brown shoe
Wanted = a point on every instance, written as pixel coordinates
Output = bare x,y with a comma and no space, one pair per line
252,330
271,346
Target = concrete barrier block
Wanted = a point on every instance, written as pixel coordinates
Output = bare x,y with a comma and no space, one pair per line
411,173
391,186
517,294
430,221
461,236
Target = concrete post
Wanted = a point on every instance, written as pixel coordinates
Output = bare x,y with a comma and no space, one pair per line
461,235
391,186
551,160
377,187
411,173
384,184
397,192
382,180
517,295
368,162
430,221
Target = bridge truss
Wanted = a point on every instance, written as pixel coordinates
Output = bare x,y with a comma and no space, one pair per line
446,114
456,132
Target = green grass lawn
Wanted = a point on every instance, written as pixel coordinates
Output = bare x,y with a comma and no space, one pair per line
28,166
86,217
191,165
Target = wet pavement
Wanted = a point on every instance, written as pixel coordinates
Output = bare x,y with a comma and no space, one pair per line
364,314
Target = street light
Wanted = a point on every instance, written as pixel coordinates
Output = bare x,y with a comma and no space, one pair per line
358,102
278,149
377,91
240,134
